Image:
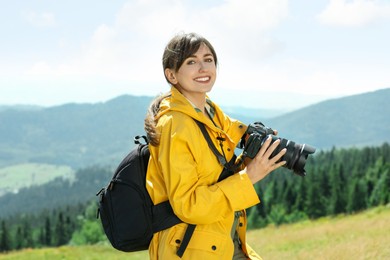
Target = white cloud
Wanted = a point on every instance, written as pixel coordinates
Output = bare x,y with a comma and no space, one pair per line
152,18
43,19
130,49
39,68
122,55
296,76
354,13
240,28
249,15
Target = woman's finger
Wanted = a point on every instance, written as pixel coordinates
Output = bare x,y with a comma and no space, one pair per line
264,147
271,148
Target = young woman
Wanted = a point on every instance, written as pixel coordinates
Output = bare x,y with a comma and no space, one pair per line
184,170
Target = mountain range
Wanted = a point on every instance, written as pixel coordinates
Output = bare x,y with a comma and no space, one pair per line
80,135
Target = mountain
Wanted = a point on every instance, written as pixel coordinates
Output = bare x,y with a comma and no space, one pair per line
94,135
72,134
80,135
245,111
20,107
353,121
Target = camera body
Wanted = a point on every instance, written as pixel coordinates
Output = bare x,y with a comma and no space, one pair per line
295,156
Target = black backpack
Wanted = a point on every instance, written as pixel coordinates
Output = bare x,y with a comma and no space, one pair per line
127,213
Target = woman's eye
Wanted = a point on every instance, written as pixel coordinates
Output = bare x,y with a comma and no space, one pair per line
209,60
190,62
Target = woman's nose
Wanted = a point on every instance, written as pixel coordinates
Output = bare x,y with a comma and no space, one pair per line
202,66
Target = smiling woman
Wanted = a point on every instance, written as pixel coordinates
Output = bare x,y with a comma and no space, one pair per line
183,170
196,75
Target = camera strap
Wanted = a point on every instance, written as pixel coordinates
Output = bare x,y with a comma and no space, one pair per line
221,159
228,167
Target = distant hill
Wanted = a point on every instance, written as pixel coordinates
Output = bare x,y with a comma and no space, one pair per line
94,135
72,134
240,112
80,135
20,107
358,120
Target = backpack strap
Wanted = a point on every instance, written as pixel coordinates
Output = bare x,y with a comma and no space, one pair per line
186,239
164,217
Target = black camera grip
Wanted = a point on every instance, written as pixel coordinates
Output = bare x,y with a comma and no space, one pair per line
252,146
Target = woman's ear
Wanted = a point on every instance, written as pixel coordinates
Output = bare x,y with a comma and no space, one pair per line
170,75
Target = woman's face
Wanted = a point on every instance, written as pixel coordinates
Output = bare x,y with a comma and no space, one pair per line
197,74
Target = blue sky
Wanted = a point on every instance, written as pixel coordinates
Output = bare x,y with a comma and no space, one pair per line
272,53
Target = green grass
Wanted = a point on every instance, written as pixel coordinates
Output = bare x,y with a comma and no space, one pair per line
95,252
20,176
360,236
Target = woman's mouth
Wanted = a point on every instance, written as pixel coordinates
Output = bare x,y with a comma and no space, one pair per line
202,79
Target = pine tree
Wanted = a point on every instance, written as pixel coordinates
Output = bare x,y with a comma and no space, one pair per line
5,244
60,231
69,228
48,233
254,220
41,237
357,196
260,207
301,194
380,194
337,197
19,239
277,215
269,198
313,204
27,235
289,198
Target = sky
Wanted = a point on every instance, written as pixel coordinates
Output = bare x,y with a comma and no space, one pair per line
273,54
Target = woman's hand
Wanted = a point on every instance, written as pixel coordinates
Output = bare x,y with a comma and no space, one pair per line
261,165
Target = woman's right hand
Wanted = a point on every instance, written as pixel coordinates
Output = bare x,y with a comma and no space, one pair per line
261,165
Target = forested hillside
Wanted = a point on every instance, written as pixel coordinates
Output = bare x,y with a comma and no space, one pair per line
338,181
349,172
77,135
80,135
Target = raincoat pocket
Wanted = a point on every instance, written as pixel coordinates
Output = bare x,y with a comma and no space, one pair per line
208,242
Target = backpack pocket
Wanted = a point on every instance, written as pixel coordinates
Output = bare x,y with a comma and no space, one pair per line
126,218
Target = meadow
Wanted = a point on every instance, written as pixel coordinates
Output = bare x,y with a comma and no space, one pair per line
25,175
365,235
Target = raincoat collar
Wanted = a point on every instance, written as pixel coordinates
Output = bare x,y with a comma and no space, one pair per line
177,102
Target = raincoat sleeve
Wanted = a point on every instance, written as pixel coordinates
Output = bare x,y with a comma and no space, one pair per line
190,172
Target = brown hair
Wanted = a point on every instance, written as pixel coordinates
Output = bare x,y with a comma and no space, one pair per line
150,122
178,49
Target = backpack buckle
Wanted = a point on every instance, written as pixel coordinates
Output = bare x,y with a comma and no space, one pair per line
138,137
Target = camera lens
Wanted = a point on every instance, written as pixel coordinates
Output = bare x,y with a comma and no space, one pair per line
295,156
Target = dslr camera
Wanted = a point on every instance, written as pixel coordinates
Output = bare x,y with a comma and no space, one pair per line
295,156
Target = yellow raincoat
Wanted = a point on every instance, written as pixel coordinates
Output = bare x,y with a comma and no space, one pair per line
183,169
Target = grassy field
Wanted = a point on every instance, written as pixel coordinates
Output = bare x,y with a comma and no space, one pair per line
362,236
20,176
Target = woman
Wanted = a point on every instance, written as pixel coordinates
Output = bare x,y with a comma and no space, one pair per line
182,168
